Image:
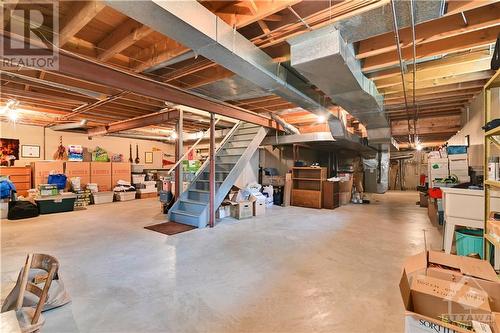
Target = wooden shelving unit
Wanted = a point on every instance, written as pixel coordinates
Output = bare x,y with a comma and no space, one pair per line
307,185
489,138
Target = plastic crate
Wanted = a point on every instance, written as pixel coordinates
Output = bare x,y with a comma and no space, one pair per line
102,197
469,241
125,196
56,204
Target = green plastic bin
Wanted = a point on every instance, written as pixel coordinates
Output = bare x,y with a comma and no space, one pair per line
469,241
56,204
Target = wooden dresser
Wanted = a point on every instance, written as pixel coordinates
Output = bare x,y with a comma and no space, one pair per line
20,176
307,186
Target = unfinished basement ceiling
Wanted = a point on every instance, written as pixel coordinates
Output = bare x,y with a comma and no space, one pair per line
234,88
379,20
452,56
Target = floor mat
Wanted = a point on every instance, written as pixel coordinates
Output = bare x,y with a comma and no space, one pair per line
170,228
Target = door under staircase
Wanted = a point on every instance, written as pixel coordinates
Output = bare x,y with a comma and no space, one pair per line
231,158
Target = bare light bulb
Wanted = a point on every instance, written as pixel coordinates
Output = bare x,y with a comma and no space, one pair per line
174,135
13,115
419,147
321,119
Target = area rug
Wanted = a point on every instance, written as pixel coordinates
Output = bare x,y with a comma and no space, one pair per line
170,228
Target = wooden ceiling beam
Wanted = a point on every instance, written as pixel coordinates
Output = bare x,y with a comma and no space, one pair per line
457,43
437,72
451,60
423,103
431,95
482,75
261,10
479,84
157,53
457,7
124,36
432,31
81,13
137,122
207,76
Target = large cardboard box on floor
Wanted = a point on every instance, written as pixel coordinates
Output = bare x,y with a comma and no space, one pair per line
78,169
40,171
120,171
242,209
434,284
100,173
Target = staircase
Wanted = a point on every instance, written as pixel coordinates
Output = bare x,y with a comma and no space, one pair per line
231,157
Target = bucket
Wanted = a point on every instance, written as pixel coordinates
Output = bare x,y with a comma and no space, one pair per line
469,241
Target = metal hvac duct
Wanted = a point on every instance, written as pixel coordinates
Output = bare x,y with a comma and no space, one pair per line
211,37
326,60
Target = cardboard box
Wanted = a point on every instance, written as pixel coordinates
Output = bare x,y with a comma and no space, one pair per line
242,210
344,198
493,227
345,185
424,200
259,208
120,171
434,284
42,169
100,174
223,211
78,169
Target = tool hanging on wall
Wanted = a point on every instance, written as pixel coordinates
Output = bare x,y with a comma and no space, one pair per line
137,160
61,153
130,155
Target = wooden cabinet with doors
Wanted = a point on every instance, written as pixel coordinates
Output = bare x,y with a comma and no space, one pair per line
307,186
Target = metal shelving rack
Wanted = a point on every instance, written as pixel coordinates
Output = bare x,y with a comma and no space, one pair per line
490,137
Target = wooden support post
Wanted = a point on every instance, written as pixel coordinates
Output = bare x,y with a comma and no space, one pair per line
211,176
179,151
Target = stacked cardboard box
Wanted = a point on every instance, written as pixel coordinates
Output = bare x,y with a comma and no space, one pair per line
120,171
78,169
445,293
42,169
100,174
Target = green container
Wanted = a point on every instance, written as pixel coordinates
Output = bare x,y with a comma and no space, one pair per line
56,204
469,241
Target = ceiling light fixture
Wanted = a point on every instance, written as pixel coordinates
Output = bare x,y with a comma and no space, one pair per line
321,119
13,115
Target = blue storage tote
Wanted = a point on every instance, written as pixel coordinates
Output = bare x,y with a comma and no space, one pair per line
454,150
469,241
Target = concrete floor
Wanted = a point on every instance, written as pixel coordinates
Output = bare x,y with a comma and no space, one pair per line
293,270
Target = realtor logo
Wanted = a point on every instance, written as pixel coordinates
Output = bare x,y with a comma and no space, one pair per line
30,36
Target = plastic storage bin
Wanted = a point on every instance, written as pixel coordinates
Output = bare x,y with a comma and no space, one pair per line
469,241
454,150
4,208
102,197
125,196
57,203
